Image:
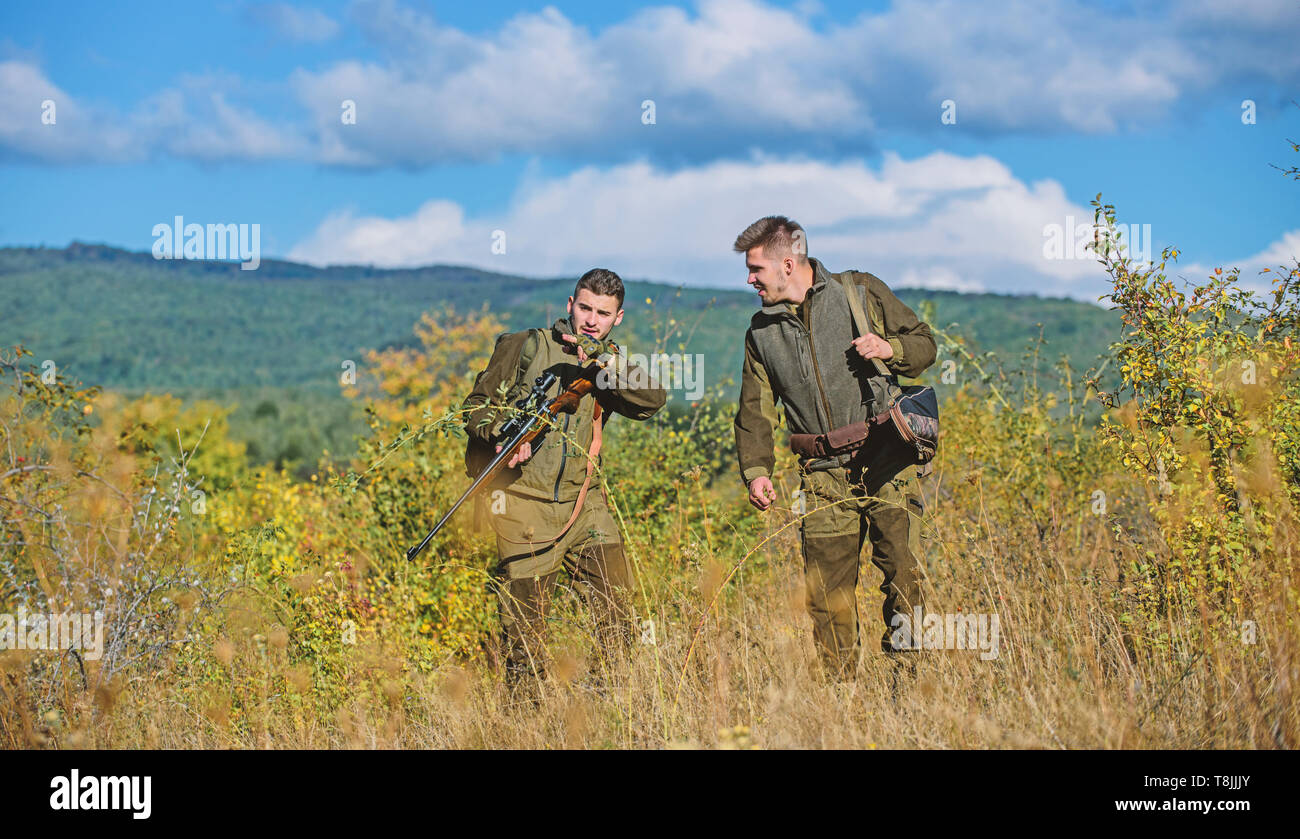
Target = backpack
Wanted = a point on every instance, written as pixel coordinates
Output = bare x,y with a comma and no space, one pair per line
477,455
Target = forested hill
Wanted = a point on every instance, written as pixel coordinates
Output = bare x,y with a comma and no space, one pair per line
269,344
124,320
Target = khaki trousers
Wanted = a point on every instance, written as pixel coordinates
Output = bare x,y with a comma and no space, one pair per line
833,539
590,551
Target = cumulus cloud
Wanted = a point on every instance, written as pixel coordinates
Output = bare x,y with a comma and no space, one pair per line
939,221
204,126
739,74
728,76
436,227
193,120
72,130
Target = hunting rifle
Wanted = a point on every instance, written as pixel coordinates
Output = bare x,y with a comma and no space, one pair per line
526,425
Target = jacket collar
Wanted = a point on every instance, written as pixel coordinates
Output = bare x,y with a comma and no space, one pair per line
563,326
820,278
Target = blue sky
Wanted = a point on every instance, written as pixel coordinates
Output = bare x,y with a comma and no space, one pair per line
528,118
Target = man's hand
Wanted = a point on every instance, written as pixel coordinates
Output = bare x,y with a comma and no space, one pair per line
593,351
573,339
873,346
521,454
761,493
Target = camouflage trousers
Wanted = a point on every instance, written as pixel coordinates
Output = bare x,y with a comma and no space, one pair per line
833,539
590,552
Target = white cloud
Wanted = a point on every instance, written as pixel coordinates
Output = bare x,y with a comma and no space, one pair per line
438,226
293,23
939,221
194,121
224,132
1279,256
736,74
731,75
77,130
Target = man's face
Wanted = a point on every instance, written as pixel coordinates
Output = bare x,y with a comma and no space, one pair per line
594,314
770,277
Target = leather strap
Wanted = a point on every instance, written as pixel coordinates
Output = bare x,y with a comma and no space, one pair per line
808,445
863,326
593,453
838,441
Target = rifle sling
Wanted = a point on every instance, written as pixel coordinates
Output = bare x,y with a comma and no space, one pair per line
592,454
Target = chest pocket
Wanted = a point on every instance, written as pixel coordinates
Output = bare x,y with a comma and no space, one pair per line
783,352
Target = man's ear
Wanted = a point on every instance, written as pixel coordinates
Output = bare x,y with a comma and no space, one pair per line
569,305
618,318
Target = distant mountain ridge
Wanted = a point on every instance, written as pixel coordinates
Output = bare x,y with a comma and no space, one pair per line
123,319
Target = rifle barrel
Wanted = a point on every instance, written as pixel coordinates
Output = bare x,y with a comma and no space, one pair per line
505,452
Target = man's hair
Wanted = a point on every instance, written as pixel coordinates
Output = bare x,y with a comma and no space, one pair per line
601,281
777,235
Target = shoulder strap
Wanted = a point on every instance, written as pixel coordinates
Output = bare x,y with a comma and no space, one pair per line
529,352
861,322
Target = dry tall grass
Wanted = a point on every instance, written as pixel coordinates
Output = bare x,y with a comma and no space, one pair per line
1069,674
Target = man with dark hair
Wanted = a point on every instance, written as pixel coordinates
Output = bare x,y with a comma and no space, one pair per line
545,512
602,282
802,349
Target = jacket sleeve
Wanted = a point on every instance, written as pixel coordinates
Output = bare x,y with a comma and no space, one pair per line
755,418
913,344
634,392
503,369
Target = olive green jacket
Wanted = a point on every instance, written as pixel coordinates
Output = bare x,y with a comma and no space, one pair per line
558,466
815,373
